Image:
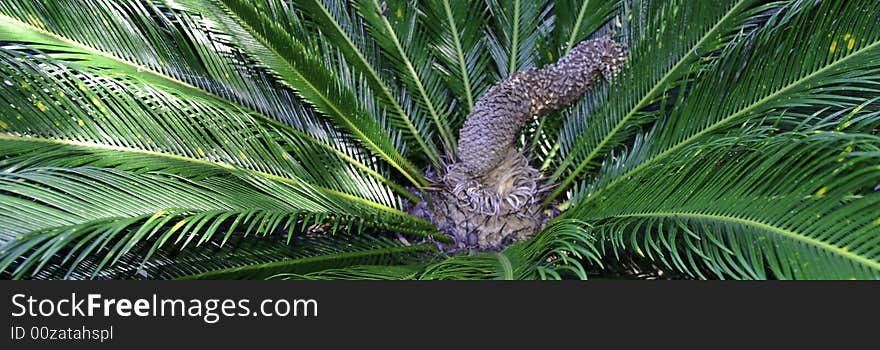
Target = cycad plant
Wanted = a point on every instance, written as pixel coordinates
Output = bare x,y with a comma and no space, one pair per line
439,139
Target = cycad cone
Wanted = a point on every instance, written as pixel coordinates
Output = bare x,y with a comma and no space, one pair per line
491,196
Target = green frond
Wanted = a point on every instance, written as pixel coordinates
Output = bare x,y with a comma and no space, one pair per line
168,262
332,261
516,31
48,101
751,206
342,28
575,21
105,208
80,212
480,266
306,130
153,166
53,105
831,66
171,46
240,253
361,272
565,248
668,41
292,56
397,32
458,44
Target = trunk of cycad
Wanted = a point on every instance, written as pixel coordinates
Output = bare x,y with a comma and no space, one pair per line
491,196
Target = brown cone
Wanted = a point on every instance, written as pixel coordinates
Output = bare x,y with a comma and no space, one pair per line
492,196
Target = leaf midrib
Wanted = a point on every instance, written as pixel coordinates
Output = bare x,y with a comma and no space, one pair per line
577,26
429,151
462,65
766,227
506,267
514,43
224,166
444,132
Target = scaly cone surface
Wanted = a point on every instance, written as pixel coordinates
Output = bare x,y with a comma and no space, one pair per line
492,196
497,116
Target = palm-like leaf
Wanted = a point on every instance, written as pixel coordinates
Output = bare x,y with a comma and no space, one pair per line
517,30
460,50
307,130
342,28
331,92
754,207
101,136
246,257
402,41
